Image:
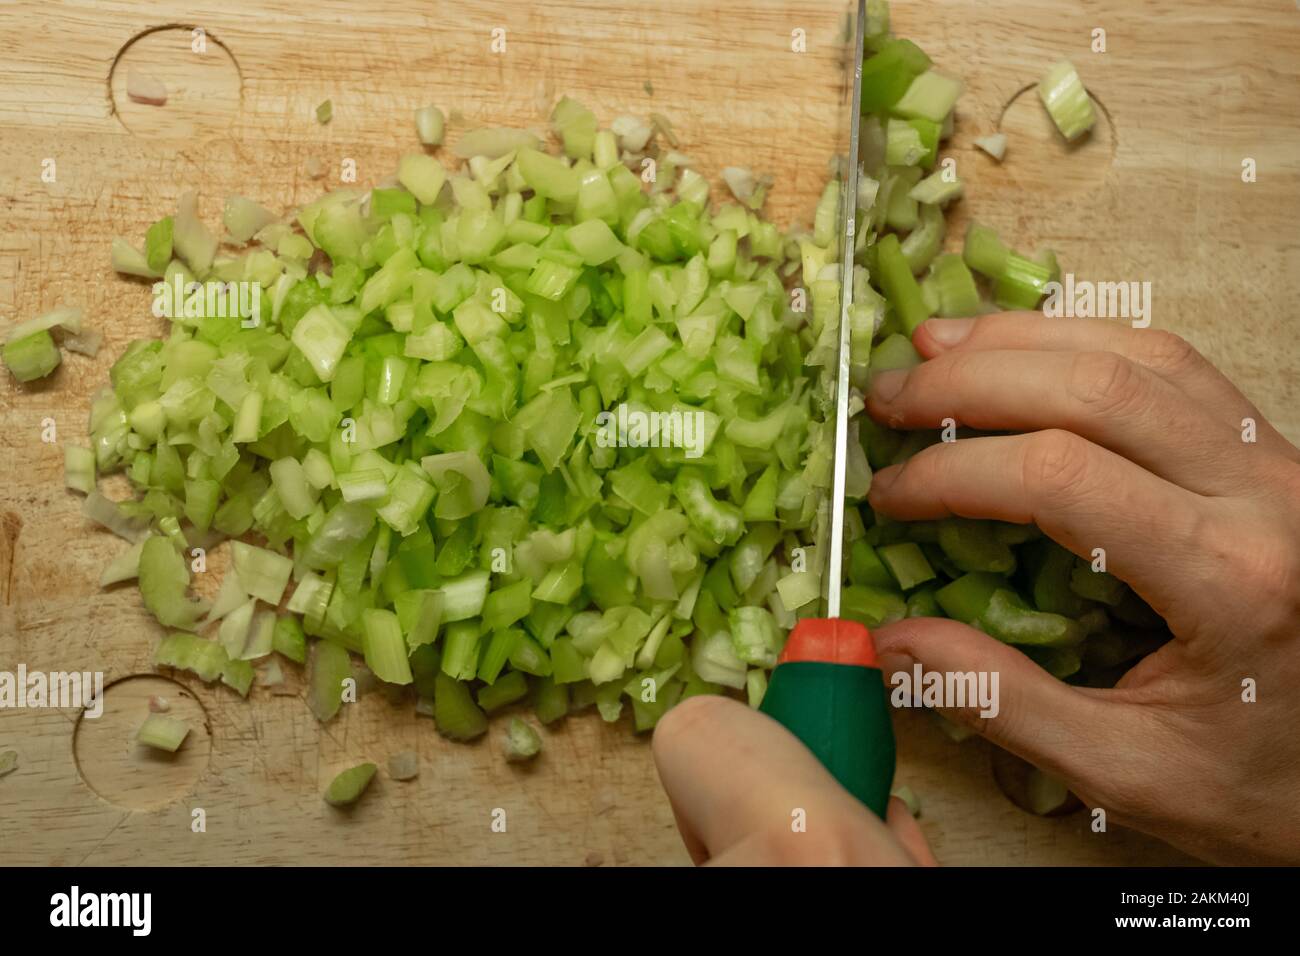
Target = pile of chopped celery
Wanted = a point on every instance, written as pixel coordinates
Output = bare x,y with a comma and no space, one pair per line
402,439
1007,580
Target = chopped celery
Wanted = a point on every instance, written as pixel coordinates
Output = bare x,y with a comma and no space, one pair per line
907,563
79,469
454,710
327,669
1067,101
188,652
509,688
930,96
411,429
164,579
429,124
347,787
955,286
900,285
33,356
162,732
522,741
385,646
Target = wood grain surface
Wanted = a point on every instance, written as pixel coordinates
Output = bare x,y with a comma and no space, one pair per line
1189,89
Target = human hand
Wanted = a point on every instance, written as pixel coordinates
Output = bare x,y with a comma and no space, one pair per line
737,781
1134,444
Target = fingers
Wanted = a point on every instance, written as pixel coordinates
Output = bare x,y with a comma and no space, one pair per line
1160,352
1100,395
746,791
1089,738
1081,495
899,819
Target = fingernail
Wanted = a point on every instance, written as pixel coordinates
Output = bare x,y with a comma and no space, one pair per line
948,332
885,386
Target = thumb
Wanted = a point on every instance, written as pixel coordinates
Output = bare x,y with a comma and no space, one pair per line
1075,733
745,791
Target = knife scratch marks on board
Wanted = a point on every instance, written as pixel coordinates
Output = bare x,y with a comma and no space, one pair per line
11,525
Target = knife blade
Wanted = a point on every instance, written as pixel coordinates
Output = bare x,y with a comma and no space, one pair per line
826,687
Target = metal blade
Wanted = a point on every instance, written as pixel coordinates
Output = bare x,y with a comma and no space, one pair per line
848,232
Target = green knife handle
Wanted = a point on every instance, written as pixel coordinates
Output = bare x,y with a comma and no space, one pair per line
827,691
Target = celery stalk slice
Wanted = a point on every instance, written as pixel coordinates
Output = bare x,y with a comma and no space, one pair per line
162,733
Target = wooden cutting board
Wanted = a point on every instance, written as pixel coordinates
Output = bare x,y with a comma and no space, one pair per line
1190,90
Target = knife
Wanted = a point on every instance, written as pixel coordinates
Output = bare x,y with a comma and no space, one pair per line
827,687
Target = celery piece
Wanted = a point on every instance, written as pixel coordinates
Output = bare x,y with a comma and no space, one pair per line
550,700
158,245
755,687
348,786
958,296
755,637
887,75
984,251
79,469
930,96
238,676
1010,620
288,640
899,285
204,658
460,650
164,579
936,189
322,339
385,647
263,574
894,351
1067,101
547,175
508,688
1097,586
966,598
328,667
454,710
923,244
499,648
429,124
324,111
162,733
903,144
922,603
522,742
1023,283
422,175
594,241
974,546
33,356
865,566
872,606
906,563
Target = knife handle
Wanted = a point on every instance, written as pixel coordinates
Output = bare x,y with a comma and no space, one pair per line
829,692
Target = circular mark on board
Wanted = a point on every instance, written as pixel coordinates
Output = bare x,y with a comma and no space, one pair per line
1039,159
204,89
129,774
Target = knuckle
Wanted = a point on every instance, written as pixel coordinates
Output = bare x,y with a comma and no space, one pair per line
1166,352
1055,462
1273,568
1104,382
